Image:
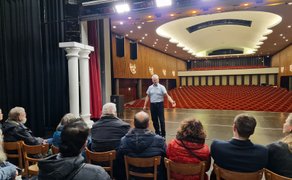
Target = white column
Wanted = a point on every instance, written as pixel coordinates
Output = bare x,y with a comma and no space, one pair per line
72,49
84,84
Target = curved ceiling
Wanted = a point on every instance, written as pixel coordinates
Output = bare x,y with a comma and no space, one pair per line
241,31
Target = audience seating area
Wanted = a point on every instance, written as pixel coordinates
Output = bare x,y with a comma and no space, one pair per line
254,98
225,68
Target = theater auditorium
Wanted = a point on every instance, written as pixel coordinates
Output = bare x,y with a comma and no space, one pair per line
216,60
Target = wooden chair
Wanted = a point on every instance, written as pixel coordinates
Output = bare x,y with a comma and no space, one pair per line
232,175
13,150
185,169
142,163
269,175
107,158
55,149
30,154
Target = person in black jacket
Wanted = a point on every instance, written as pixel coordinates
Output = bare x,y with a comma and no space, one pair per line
69,163
15,130
107,132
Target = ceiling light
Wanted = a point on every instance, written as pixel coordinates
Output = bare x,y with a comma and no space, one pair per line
289,3
127,35
284,37
143,37
129,17
218,8
131,31
156,39
171,15
286,40
149,16
122,8
245,4
281,34
121,23
166,44
146,34
142,22
155,42
163,3
275,44
114,27
140,40
175,52
153,45
194,12
289,26
139,27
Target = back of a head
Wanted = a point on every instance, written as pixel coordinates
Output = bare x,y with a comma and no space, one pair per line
14,113
73,138
245,125
191,130
141,120
66,119
109,109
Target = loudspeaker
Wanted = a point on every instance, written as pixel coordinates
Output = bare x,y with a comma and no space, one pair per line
119,101
133,50
120,46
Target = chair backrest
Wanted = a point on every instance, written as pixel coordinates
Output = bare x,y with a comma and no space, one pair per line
185,169
32,154
55,149
142,163
222,173
107,158
13,151
269,175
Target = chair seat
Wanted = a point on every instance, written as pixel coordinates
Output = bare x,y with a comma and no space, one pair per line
33,169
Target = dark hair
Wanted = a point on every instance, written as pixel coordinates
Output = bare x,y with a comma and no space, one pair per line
191,130
245,125
73,137
141,120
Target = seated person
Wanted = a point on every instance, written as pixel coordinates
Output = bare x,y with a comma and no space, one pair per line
189,147
107,132
15,130
56,141
240,154
280,153
7,170
141,142
69,163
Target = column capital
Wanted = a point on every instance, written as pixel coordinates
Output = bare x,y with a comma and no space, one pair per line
84,54
72,51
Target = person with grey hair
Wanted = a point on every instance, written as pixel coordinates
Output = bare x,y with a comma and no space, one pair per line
8,171
15,130
107,132
280,152
240,154
156,93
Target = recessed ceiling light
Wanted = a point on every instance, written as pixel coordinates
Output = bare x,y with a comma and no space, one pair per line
146,34
114,27
245,4
139,27
142,22
289,3
171,15
286,40
218,8
121,23
289,26
281,34
175,52
284,37
149,16
163,3
194,12
140,40
121,8
127,35
143,37
153,45
166,44
129,17
155,42
131,31
275,44
165,50
156,39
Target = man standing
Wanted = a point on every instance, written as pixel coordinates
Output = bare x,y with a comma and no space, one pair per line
156,93
107,132
240,154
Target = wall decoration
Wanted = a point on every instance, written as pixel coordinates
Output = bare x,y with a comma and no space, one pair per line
133,68
151,70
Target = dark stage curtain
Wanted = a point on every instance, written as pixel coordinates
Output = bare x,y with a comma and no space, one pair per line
95,90
33,70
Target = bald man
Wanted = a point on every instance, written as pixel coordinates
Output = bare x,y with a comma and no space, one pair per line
141,142
156,93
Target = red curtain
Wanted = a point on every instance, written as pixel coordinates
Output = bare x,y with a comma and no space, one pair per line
95,90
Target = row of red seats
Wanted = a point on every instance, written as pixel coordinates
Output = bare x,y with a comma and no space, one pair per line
255,98
226,67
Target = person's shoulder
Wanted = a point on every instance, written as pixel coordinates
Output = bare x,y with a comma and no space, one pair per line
94,171
217,142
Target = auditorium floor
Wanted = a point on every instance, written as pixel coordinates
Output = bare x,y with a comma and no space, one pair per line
218,123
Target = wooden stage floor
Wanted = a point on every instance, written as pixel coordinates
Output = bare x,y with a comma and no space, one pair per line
218,123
